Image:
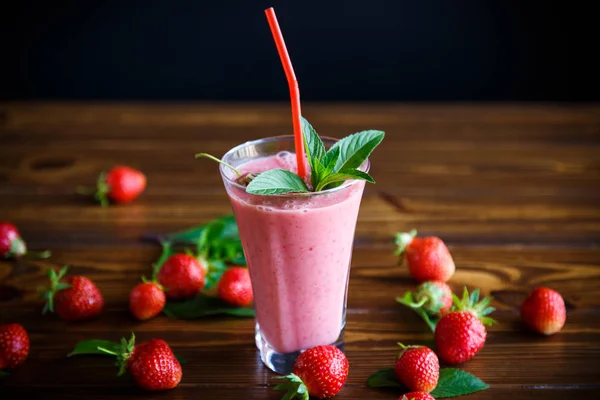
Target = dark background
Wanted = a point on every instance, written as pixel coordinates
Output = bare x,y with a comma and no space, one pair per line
342,50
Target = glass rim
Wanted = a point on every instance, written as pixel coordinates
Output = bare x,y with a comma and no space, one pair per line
222,168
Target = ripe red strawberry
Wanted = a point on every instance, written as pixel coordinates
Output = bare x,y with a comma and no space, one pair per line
182,276
75,299
235,287
121,184
460,334
152,364
416,396
417,368
14,345
544,311
12,244
147,300
320,372
428,257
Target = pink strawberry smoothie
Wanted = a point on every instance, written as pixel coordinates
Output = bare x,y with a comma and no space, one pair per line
298,249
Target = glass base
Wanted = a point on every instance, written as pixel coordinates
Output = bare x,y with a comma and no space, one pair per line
283,363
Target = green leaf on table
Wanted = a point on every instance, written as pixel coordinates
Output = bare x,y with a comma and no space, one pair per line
3,373
276,181
455,382
452,382
384,378
228,250
91,347
356,148
204,306
215,271
192,235
211,232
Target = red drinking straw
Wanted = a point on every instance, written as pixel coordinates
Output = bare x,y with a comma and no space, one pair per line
294,90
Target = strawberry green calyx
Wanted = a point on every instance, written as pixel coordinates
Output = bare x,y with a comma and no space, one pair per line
409,301
123,354
55,286
295,387
404,348
17,248
470,303
430,296
102,190
403,240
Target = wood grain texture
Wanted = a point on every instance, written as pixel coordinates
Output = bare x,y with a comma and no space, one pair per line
513,189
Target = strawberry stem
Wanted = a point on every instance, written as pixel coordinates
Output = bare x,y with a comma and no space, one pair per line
55,286
403,240
124,353
165,254
40,255
200,155
102,190
17,248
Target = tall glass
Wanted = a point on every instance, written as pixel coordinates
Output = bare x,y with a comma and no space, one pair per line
298,248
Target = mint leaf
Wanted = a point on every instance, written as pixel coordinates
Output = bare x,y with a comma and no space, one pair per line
276,181
455,382
384,378
331,158
356,148
337,179
314,145
91,347
203,306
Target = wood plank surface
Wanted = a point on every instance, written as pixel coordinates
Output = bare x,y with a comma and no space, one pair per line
513,189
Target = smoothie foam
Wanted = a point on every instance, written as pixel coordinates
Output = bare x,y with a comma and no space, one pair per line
298,249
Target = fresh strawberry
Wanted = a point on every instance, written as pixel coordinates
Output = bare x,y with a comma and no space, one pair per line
121,184
147,300
235,287
416,396
14,345
417,368
12,244
460,334
75,299
544,311
427,257
320,372
152,364
182,276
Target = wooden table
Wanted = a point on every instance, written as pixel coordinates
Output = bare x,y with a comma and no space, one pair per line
514,190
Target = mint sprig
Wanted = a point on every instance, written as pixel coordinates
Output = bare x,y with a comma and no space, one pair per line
340,163
329,168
